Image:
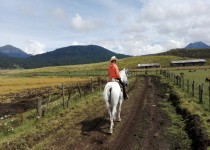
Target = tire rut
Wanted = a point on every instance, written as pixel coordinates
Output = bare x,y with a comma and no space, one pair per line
127,133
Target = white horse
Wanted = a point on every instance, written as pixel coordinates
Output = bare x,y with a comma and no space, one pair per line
113,96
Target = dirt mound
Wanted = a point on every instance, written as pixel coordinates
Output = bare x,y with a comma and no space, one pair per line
193,125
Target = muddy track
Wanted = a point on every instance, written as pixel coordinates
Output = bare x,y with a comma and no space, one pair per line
142,127
128,132
95,131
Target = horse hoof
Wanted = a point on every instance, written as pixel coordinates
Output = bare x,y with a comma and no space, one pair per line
110,132
118,120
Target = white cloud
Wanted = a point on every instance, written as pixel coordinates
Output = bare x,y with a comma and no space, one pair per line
168,10
175,44
134,27
131,47
34,47
79,24
151,49
76,43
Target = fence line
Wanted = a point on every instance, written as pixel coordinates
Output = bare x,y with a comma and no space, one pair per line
197,90
59,96
91,86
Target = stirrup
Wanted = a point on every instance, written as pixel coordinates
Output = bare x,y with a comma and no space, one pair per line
126,97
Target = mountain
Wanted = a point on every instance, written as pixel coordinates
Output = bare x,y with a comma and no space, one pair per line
71,55
197,45
11,51
192,50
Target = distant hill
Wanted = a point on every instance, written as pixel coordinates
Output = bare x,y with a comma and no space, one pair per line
197,45
11,51
192,50
7,62
191,53
71,55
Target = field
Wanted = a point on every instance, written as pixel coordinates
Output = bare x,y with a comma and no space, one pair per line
85,115
192,103
17,84
15,81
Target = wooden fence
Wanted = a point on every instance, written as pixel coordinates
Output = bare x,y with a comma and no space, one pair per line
68,92
199,91
42,99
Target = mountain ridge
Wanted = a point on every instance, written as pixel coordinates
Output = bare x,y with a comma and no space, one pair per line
192,50
11,51
70,55
197,45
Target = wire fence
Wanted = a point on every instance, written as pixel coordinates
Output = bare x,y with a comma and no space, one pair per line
200,92
57,96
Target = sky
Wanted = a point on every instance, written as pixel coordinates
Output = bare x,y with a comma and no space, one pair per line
133,27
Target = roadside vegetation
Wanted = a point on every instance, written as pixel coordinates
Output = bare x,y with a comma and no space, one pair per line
34,132
192,103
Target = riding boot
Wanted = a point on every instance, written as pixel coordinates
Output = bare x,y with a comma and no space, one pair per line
125,96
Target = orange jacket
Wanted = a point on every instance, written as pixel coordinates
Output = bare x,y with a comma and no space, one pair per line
113,71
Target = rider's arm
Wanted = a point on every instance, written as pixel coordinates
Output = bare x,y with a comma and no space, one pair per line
117,72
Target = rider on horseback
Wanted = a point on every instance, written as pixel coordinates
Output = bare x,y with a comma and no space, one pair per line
114,74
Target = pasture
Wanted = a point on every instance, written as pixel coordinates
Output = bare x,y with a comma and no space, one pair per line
26,129
192,101
16,84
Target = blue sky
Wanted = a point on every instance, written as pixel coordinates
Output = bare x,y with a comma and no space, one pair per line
134,27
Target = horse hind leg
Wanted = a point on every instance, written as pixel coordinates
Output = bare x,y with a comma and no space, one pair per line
111,125
112,118
119,111
109,108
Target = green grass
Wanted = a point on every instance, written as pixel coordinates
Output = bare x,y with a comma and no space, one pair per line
191,103
26,133
176,128
198,77
91,69
87,70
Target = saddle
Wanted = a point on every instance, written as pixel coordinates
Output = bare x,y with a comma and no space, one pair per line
115,80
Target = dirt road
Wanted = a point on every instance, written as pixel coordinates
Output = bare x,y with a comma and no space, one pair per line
143,124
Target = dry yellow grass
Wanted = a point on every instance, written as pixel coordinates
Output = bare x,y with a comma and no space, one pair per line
14,84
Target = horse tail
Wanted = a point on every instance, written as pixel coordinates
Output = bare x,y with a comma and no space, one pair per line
107,94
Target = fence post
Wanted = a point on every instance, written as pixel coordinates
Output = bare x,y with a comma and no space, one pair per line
188,85
63,94
146,72
91,82
20,112
99,85
182,82
177,80
79,90
68,100
48,102
39,107
193,87
200,93
174,79
209,95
